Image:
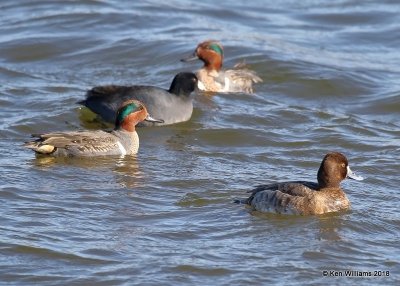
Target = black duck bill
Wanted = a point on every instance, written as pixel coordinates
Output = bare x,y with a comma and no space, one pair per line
151,119
190,58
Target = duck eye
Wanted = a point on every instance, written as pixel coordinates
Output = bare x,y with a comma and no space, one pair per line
343,165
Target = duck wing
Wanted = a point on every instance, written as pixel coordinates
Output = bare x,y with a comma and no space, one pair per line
288,197
75,143
239,79
105,100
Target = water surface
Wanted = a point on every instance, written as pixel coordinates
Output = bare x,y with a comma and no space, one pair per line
166,217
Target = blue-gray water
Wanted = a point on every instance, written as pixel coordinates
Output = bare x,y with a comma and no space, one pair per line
331,72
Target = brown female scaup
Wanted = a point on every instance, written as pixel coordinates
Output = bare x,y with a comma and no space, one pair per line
307,198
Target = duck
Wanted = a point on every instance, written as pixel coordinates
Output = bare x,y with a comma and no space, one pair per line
212,78
121,141
307,198
173,105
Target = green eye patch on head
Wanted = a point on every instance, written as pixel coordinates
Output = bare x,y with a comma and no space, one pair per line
216,48
126,110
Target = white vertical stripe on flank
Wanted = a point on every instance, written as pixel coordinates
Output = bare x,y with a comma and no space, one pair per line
121,148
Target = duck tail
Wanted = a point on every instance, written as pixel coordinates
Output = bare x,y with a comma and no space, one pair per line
81,102
39,148
243,67
240,201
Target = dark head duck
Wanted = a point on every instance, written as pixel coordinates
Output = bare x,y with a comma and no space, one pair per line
173,105
307,198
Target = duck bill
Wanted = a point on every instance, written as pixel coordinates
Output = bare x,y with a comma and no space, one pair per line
190,58
151,119
352,175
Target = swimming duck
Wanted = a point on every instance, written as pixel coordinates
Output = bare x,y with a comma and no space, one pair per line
173,105
307,198
213,79
123,140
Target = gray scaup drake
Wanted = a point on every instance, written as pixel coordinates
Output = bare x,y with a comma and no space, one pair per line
172,106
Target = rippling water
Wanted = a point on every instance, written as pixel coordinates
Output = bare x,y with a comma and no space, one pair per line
331,82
